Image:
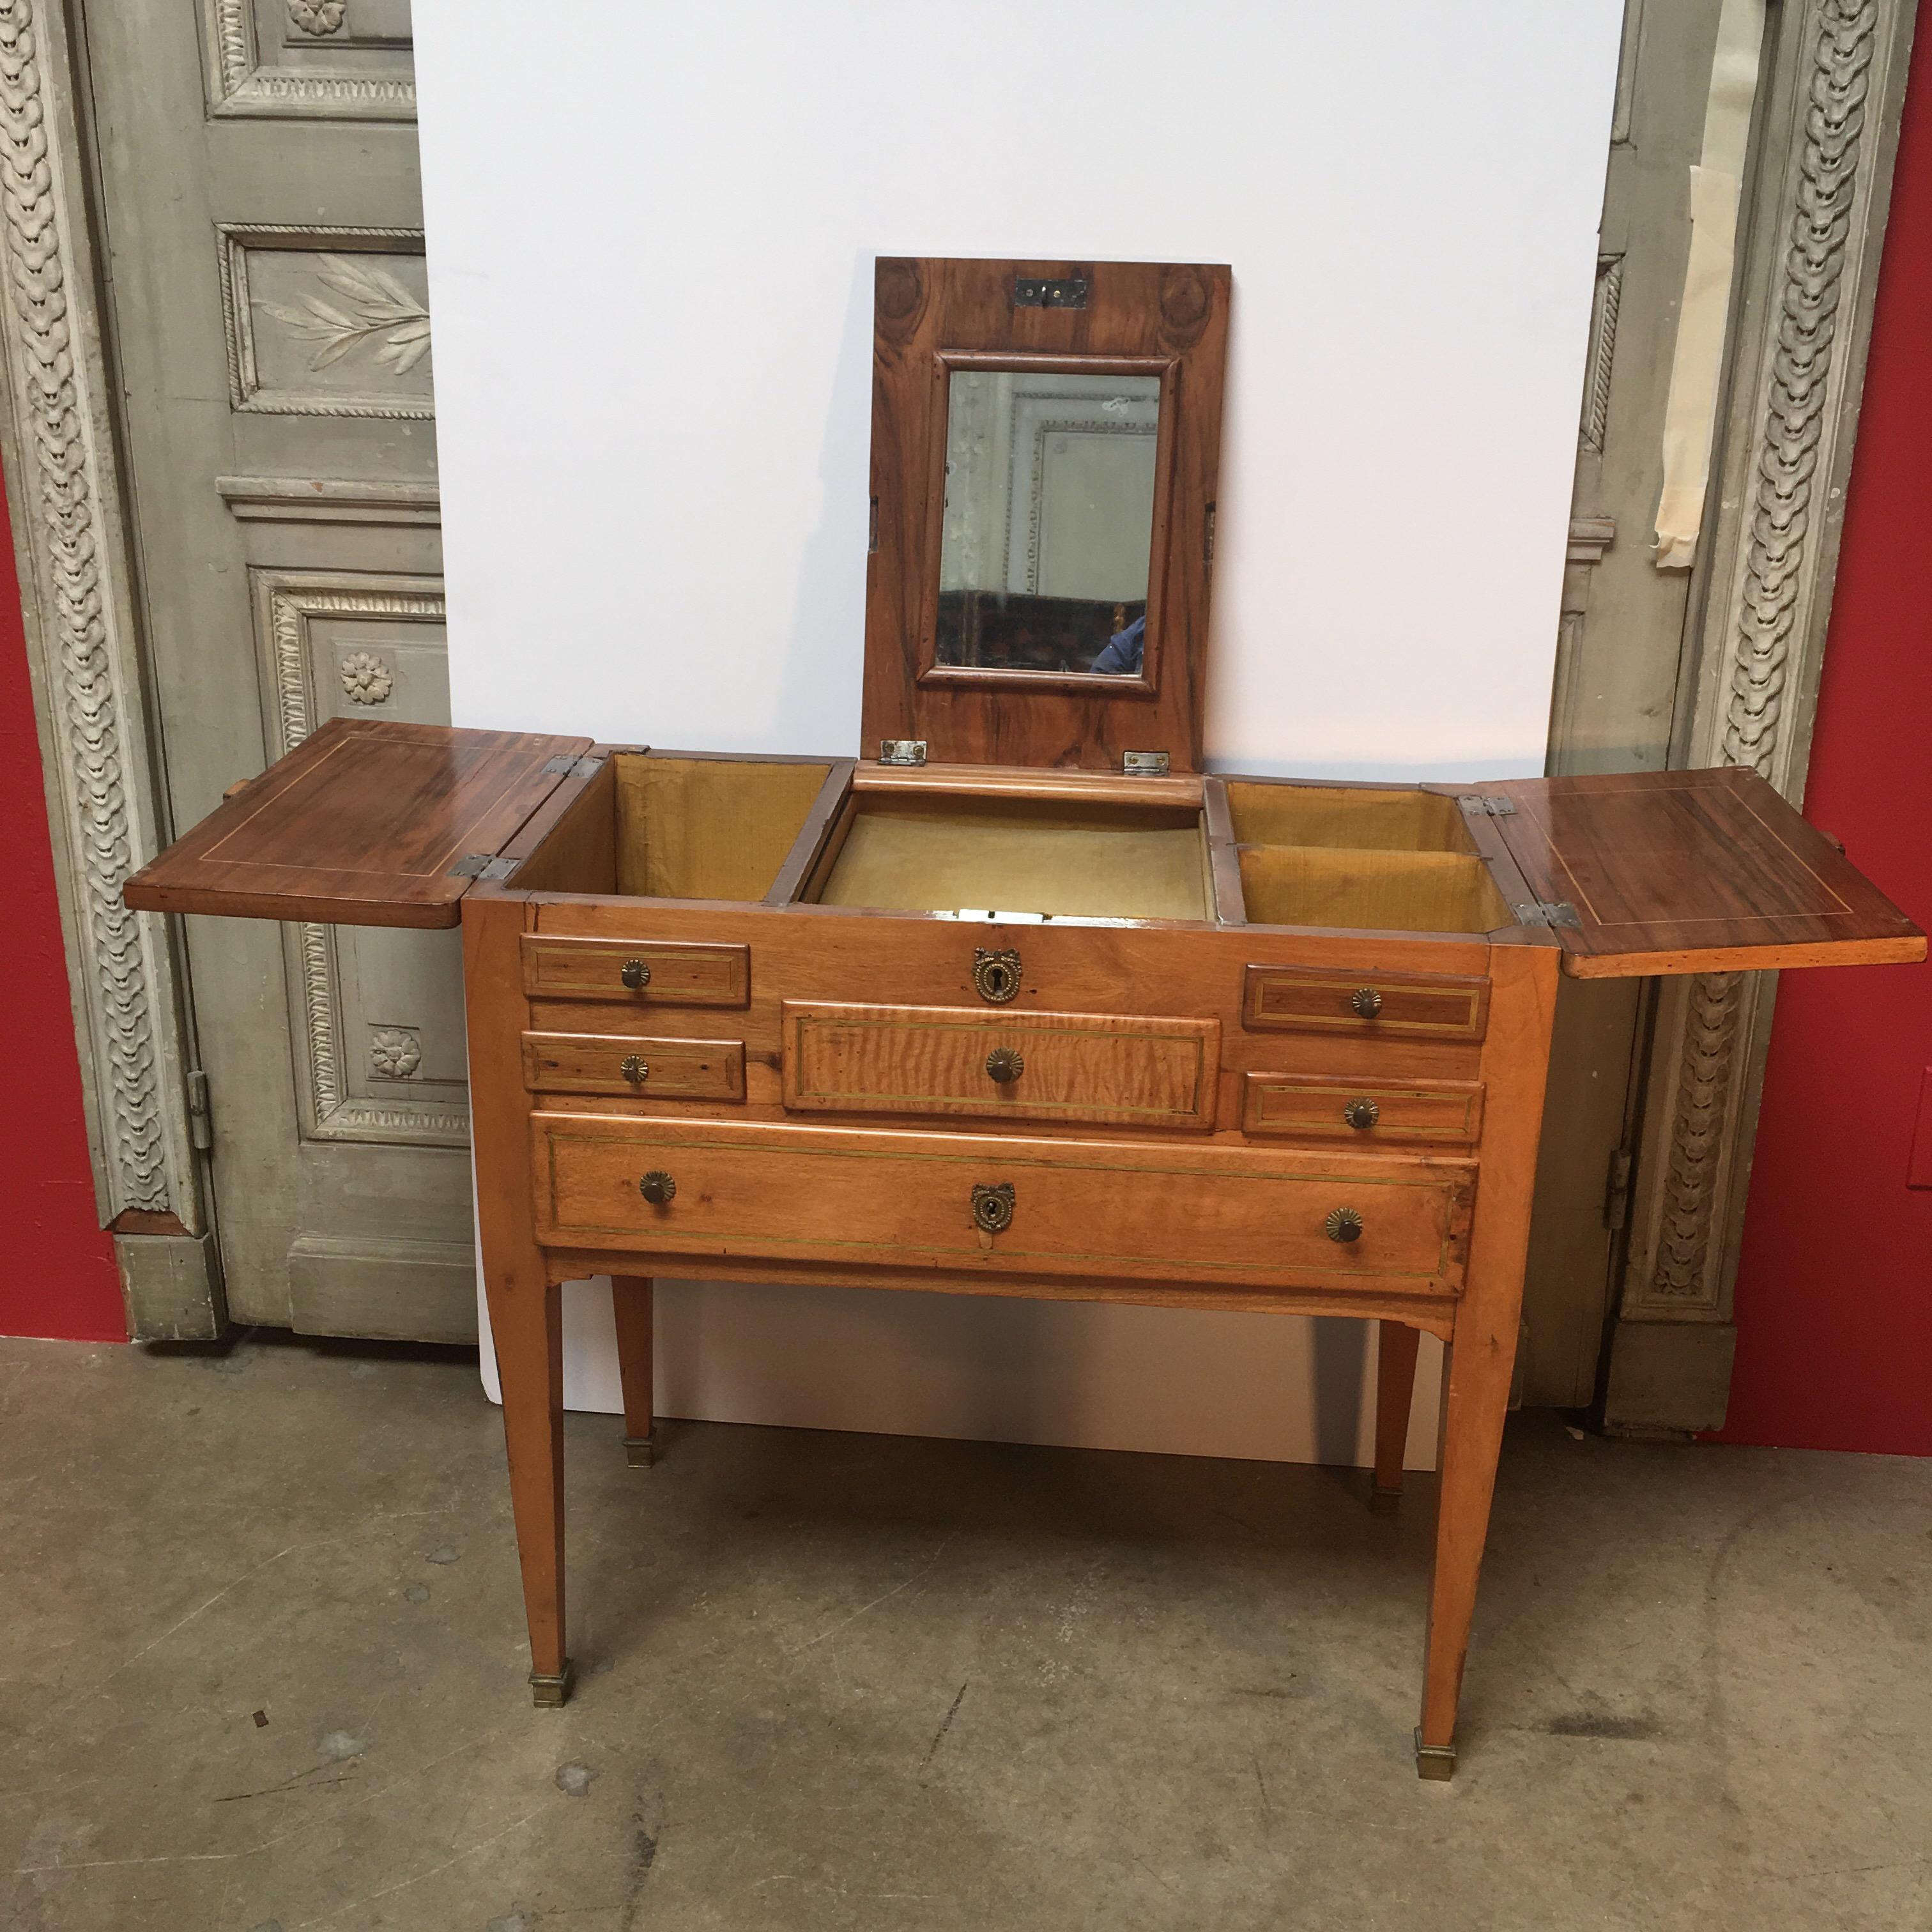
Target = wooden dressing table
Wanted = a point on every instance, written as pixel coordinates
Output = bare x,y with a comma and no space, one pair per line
1025,1004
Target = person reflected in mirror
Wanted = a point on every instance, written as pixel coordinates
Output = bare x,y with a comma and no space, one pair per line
1121,656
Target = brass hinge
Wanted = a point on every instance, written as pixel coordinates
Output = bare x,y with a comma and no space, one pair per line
1032,292
1547,912
901,750
1144,764
563,766
200,1121
1617,1190
1488,802
482,865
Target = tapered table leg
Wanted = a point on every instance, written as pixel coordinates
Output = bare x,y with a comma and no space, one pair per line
631,1303
1395,1389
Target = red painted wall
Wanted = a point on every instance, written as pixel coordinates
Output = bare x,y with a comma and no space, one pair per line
1835,1291
57,1273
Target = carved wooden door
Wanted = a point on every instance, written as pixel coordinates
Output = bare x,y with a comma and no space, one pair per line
1621,638
261,218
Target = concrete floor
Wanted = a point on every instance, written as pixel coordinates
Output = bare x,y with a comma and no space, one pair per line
264,1670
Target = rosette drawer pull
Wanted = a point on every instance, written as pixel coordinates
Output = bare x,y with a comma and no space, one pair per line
1343,1224
657,1187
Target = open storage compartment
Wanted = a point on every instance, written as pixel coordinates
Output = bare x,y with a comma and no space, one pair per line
1361,858
903,852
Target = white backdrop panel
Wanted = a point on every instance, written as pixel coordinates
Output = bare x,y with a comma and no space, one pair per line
651,233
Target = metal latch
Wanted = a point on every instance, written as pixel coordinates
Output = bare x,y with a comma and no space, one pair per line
1145,764
1030,291
1496,808
901,750
200,1120
563,766
1547,912
482,865
1617,1189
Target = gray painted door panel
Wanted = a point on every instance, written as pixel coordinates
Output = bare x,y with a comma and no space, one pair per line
268,311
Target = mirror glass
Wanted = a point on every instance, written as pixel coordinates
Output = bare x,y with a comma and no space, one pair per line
1049,521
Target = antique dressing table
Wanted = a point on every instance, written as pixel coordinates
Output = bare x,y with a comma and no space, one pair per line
1023,1003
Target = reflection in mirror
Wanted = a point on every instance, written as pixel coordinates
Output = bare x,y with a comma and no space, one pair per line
1049,520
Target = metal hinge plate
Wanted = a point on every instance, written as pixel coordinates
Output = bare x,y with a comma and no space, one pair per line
901,750
200,1120
565,766
1617,1189
1547,912
1144,764
1486,802
482,865
1030,291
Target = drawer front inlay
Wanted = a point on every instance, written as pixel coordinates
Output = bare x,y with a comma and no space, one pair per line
1092,1067
1176,1212
1363,1112
641,972
653,1069
1392,1005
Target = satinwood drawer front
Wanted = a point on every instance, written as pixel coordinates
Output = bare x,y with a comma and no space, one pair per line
656,1070
1365,1111
1174,1211
1389,1005
1095,1067
644,972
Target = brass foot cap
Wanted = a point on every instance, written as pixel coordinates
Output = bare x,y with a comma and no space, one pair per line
1384,1502
640,1451
1436,1761
552,1693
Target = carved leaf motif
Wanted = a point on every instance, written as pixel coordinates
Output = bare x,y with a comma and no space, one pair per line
318,17
379,311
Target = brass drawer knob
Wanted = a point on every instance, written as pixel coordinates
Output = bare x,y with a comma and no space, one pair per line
1005,1063
996,973
1361,1114
1367,1001
993,1207
634,1070
1343,1224
636,975
657,1187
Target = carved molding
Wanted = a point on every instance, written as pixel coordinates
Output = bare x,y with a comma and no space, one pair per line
1604,307
292,499
383,322
1816,224
69,527
241,84
287,601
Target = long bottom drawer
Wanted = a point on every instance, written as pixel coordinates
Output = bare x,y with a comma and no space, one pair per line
1176,1212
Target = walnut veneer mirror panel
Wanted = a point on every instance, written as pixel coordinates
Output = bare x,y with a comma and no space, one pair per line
1045,444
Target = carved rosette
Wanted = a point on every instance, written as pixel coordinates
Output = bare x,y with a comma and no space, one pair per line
394,1052
367,679
1767,631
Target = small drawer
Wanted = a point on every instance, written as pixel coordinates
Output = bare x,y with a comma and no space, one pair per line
1095,1067
1179,1211
1391,1006
1363,1112
653,1069
642,972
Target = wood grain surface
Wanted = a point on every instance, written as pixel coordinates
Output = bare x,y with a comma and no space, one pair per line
360,825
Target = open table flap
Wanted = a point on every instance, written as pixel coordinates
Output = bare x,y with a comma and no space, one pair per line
1705,871
364,823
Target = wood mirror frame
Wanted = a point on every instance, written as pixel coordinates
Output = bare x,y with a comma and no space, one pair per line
931,317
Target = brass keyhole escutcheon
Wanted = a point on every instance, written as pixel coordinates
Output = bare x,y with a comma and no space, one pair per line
1005,1064
1367,1001
634,1070
1361,1114
636,975
657,1187
996,973
993,1207
1343,1224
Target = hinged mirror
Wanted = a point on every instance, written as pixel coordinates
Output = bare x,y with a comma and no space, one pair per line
1045,437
